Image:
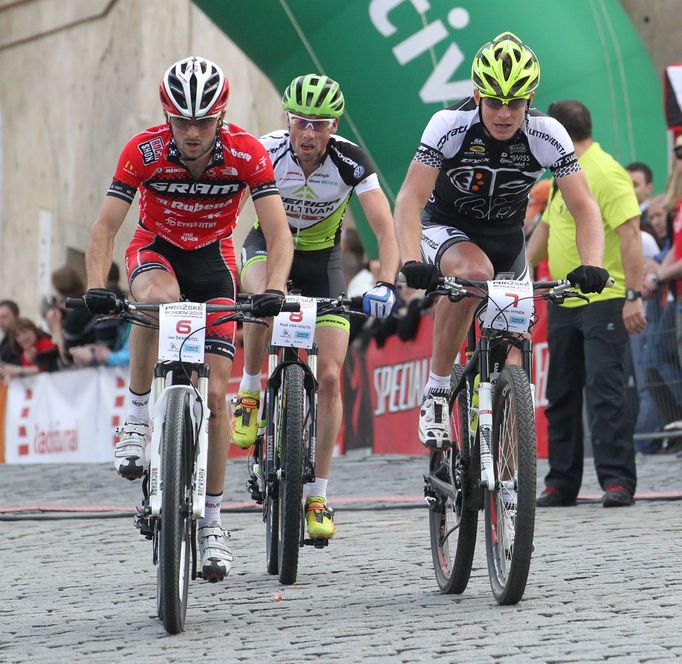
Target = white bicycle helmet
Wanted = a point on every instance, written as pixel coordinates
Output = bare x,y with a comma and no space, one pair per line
194,88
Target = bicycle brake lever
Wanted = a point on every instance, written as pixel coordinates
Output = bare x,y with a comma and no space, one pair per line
256,321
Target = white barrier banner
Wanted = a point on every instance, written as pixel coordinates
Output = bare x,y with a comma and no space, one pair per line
66,416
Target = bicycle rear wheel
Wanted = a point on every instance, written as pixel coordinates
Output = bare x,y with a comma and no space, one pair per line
453,522
510,508
291,484
176,523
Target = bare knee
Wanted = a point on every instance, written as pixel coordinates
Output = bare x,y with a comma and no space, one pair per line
329,383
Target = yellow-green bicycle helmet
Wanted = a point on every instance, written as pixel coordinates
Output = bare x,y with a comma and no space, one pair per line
314,94
505,67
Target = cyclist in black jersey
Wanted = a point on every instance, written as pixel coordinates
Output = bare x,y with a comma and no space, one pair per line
461,208
317,171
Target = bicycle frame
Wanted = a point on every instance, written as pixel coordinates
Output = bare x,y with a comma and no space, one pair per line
478,355
199,413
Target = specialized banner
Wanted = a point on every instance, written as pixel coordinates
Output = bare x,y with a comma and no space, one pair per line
383,390
67,416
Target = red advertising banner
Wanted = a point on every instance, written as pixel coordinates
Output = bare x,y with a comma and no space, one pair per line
383,388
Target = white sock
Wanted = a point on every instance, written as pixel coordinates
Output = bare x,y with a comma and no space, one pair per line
437,384
317,488
250,383
137,408
211,510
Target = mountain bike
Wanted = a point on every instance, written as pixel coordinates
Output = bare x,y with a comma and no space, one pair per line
491,463
174,485
284,454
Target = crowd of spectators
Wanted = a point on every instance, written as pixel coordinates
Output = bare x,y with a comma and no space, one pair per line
70,338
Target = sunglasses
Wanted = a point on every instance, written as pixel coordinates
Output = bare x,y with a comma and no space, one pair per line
496,103
316,124
184,123
678,152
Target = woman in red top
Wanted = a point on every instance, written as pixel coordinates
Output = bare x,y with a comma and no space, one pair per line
36,349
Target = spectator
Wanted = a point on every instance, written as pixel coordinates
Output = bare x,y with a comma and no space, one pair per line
654,353
69,327
36,351
588,342
111,336
642,180
673,188
9,313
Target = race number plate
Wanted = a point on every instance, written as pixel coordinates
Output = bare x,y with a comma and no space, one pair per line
510,305
296,328
182,324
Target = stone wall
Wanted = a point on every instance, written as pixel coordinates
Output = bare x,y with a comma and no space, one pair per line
77,80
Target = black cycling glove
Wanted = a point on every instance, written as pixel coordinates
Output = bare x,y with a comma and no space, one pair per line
101,301
420,275
264,305
591,279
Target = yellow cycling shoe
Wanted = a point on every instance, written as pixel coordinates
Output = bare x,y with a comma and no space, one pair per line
319,518
244,424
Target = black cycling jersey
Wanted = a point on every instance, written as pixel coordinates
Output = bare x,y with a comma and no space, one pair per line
483,179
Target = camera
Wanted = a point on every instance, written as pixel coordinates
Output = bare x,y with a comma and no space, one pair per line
48,302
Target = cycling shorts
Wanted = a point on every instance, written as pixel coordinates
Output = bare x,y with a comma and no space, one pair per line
206,274
313,273
504,245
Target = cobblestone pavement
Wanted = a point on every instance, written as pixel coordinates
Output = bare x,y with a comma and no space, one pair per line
604,584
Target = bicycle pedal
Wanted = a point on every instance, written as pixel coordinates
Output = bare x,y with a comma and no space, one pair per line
317,543
141,522
252,486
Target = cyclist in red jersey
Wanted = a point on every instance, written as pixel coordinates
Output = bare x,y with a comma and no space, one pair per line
192,173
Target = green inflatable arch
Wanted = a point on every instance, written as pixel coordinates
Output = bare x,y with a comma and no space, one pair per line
399,61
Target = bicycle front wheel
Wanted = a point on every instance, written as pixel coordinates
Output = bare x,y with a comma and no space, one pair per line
453,518
176,523
510,508
291,485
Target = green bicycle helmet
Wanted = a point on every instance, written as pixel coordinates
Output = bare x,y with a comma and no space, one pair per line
313,94
505,67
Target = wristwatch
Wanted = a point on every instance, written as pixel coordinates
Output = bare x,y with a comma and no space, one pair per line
632,295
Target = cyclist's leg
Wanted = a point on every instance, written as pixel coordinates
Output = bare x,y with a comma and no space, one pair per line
209,275
244,424
454,254
151,278
332,339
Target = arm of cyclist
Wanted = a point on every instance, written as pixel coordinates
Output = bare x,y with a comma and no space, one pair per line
412,197
280,247
379,300
536,250
633,264
100,252
589,233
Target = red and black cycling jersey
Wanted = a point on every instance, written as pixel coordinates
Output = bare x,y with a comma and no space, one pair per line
186,211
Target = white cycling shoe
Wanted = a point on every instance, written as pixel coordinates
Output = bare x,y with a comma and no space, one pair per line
130,452
216,555
434,422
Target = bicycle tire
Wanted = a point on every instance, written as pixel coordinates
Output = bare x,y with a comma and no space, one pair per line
291,484
453,523
270,485
176,523
509,517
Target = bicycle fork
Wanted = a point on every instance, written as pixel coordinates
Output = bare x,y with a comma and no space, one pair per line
485,418
199,414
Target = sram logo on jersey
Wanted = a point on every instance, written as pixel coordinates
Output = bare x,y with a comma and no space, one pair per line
151,150
192,188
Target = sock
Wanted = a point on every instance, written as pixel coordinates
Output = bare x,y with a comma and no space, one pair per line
137,409
250,383
211,510
317,488
437,384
